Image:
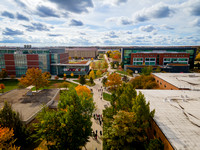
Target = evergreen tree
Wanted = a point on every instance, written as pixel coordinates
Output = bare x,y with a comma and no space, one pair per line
11,119
91,80
82,80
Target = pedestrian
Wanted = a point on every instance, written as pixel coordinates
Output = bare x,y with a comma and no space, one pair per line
96,136
100,122
101,133
96,132
94,116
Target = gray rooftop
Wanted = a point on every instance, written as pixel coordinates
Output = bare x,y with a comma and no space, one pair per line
28,105
177,115
181,80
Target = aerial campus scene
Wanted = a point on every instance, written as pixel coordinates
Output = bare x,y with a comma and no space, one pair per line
100,75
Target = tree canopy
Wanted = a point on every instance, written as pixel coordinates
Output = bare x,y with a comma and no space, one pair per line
114,81
35,77
70,126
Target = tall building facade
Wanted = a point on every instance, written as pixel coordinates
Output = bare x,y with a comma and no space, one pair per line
17,60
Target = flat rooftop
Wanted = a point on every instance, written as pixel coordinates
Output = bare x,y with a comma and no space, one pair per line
28,105
181,80
177,114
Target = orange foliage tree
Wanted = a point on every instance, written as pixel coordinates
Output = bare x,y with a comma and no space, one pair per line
2,86
35,77
6,139
114,80
83,91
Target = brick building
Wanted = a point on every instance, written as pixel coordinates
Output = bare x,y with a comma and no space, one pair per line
169,59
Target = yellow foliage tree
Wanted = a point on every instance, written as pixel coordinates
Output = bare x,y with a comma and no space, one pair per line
197,57
83,91
92,65
114,80
35,77
6,139
98,73
92,75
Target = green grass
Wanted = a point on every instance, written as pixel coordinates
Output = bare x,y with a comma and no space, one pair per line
10,84
54,84
122,72
106,96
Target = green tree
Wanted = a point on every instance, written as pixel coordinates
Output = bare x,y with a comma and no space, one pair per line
122,64
117,64
82,80
104,80
91,80
122,97
70,126
158,69
11,119
142,111
112,65
123,134
147,70
155,144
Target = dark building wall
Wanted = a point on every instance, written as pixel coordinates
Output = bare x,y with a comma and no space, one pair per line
32,60
10,64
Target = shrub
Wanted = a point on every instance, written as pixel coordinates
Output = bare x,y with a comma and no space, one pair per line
12,76
56,77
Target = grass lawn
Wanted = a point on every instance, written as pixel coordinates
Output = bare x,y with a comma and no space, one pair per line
106,96
54,84
87,83
10,84
123,72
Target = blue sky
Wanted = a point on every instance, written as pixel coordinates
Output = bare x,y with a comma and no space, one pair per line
99,22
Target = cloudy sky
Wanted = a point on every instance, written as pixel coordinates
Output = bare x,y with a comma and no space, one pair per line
99,22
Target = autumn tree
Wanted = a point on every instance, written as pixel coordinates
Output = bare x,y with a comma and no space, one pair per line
92,65
98,73
92,75
11,120
129,72
114,80
83,91
2,87
197,57
6,139
144,82
105,64
70,126
82,80
99,65
3,73
158,69
35,77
